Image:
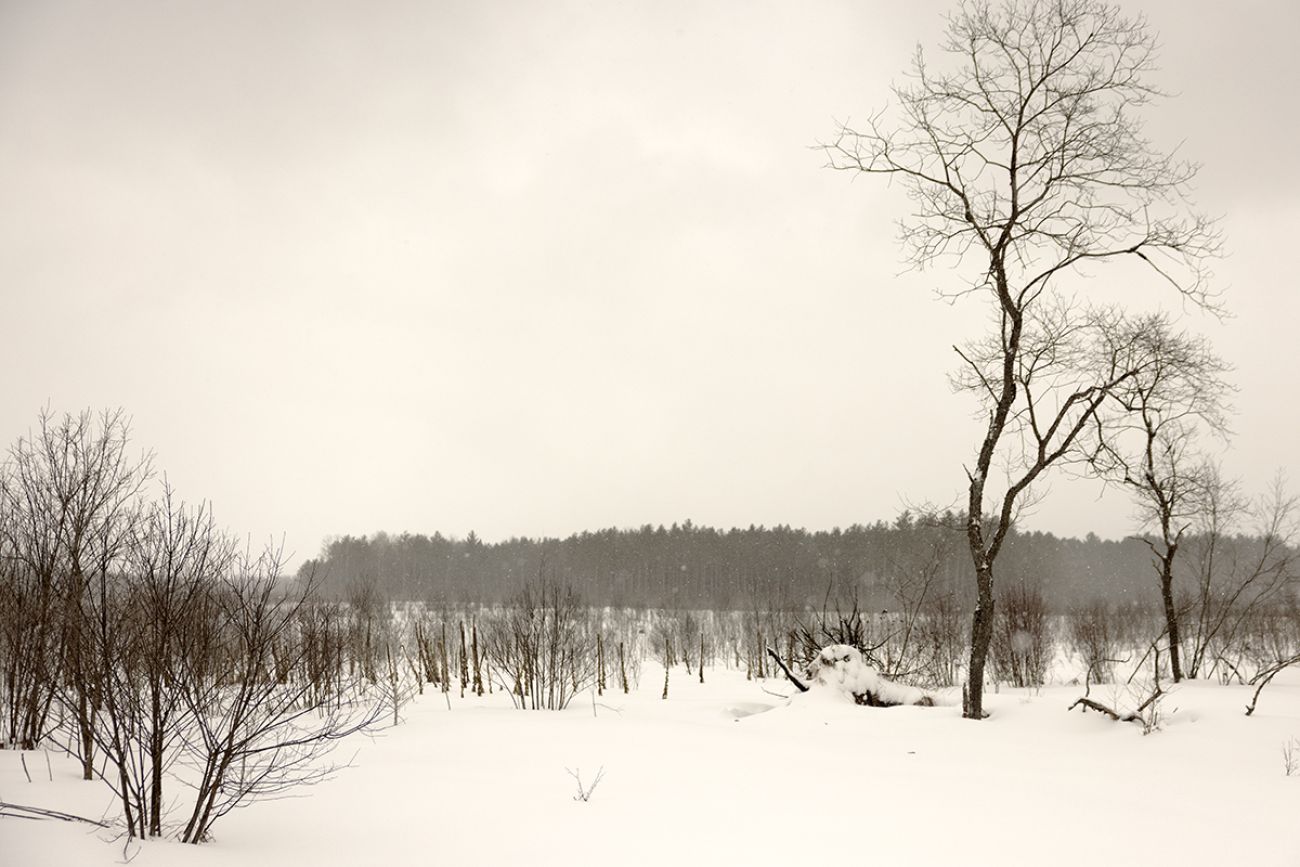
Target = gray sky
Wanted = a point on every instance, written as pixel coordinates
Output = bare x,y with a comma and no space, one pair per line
532,268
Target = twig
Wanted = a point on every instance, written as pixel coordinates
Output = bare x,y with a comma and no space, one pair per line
584,793
1261,679
18,811
777,659
1144,705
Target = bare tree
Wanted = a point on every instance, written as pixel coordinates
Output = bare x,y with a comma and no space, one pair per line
152,623
71,495
1149,447
1026,159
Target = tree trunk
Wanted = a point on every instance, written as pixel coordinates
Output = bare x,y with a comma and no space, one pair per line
87,730
156,761
981,637
1171,614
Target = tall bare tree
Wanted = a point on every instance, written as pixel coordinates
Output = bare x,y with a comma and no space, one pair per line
1150,448
1024,159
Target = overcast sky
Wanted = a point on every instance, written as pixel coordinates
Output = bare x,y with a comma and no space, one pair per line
538,267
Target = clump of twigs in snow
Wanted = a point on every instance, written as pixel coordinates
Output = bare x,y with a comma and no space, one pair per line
584,792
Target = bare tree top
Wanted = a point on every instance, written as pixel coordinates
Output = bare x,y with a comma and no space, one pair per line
1027,145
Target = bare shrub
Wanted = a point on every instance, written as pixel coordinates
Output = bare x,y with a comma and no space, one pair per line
542,646
254,735
396,687
1021,643
1236,577
623,629
1091,635
323,628
152,626
941,641
1132,624
771,623
918,635
129,636
665,638
428,631
370,618
845,624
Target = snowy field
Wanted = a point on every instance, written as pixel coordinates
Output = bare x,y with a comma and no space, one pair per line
729,772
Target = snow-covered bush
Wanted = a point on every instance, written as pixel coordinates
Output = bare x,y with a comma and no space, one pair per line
841,669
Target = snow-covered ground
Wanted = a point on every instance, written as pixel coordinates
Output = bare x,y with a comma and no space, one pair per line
729,773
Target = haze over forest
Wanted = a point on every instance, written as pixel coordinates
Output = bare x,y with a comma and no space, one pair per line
533,270
685,566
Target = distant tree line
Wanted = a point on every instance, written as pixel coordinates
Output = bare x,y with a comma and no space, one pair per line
689,566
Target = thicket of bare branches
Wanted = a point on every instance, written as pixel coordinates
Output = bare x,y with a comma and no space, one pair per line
1239,581
1092,635
1022,640
542,646
132,635
924,643
151,625
256,733
69,500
